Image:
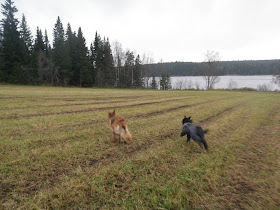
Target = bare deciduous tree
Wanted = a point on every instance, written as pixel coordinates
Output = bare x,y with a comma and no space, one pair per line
147,58
47,72
179,84
119,59
264,87
211,68
197,86
276,77
189,84
232,85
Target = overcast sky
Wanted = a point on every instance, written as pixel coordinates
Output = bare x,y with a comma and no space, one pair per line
171,30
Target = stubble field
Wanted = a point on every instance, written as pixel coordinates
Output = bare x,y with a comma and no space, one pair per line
57,150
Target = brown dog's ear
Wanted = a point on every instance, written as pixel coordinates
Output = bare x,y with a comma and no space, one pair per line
114,112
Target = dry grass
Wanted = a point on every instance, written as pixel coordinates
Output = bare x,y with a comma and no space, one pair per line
57,151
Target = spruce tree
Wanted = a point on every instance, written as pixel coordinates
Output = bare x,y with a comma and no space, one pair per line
83,61
25,34
127,77
61,56
46,70
26,64
98,60
1,53
108,64
39,43
138,79
47,44
12,45
92,64
154,83
71,44
165,82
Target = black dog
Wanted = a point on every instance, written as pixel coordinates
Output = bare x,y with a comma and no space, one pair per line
194,132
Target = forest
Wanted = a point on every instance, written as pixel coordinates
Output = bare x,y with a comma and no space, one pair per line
247,67
68,61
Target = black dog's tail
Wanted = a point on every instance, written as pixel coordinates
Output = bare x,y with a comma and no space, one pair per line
205,131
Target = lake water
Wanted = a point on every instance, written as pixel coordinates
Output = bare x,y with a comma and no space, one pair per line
225,82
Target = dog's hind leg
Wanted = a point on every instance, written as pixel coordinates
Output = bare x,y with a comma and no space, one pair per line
199,143
205,144
188,138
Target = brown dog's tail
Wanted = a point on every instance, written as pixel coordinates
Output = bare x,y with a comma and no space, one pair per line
125,134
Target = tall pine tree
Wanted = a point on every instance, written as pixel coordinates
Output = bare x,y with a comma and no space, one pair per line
98,60
39,43
138,79
1,53
154,83
83,61
71,45
61,56
108,64
47,47
27,65
92,63
12,45
47,73
25,34
127,76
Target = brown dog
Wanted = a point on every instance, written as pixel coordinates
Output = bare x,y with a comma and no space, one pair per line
119,127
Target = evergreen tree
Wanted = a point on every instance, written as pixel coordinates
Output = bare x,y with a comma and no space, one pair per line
26,64
46,71
61,56
12,46
127,75
1,53
98,60
39,43
25,34
154,83
92,64
47,47
108,64
41,62
71,44
137,76
165,82
83,61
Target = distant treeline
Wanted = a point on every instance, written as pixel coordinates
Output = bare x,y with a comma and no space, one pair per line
252,67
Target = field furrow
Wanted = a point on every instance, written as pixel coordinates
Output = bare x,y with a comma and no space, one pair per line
57,150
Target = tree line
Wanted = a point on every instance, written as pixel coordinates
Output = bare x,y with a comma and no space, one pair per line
67,62
249,67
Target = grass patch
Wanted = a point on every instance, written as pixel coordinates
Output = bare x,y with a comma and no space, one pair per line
57,151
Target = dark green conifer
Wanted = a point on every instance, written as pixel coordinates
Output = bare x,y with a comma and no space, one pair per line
12,46
83,61
61,56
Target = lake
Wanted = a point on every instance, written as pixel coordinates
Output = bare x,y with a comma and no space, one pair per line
225,82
